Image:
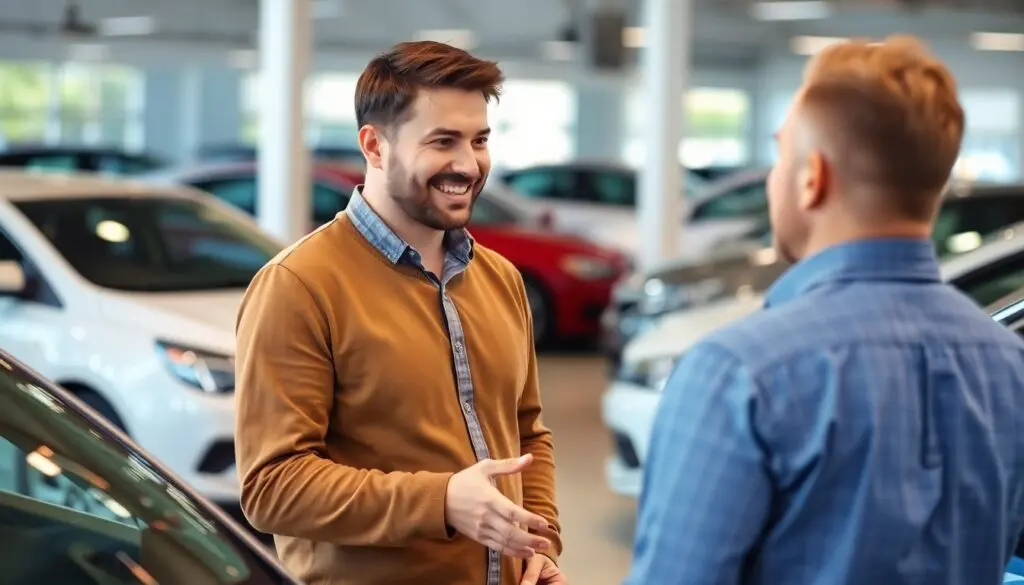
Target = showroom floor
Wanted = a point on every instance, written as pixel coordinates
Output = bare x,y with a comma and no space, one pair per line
597,525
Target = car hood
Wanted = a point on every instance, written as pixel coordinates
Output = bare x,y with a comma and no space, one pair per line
677,332
203,319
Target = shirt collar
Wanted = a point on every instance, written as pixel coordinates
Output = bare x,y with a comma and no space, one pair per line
882,259
457,242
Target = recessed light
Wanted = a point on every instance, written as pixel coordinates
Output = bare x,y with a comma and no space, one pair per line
990,41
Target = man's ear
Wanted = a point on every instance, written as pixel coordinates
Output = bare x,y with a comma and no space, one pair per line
371,141
813,181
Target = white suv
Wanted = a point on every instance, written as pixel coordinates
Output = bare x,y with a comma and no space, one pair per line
126,294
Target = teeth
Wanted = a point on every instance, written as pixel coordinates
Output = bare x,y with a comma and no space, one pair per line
452,189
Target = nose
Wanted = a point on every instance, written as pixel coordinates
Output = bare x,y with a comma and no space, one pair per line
466,162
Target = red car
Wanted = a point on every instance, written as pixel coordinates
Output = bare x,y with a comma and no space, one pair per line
568,279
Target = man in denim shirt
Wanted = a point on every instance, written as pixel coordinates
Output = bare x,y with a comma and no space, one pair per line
866,427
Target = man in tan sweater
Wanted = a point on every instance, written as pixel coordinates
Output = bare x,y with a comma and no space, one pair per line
389,418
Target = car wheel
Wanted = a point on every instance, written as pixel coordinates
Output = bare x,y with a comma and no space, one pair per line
541,310
99,404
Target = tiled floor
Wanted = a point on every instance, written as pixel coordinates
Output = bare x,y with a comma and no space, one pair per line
597,525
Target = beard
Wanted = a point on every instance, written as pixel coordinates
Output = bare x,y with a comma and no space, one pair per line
418,201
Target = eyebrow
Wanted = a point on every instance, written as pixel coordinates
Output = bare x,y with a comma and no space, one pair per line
436,132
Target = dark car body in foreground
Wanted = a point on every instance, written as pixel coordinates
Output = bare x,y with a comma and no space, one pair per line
81,503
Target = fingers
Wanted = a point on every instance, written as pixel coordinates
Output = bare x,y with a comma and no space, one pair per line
524,518
507,466
532,573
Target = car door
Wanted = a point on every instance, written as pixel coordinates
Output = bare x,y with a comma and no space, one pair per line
32,326
571,196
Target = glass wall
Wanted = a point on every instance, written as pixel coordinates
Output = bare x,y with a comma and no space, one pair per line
716,127
70,103
533,122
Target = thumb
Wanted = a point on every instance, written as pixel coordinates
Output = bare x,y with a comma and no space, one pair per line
509,466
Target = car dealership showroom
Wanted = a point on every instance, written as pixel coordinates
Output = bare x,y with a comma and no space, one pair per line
159,155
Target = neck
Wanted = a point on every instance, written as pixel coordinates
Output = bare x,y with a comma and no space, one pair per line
425,240
844,232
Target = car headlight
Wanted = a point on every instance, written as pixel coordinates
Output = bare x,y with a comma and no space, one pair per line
589,267
207,371
652,374
659,297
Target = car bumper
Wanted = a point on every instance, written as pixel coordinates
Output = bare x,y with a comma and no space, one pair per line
579,307
190,431
628,412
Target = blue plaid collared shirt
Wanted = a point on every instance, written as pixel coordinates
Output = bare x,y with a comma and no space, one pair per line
865,428
459,252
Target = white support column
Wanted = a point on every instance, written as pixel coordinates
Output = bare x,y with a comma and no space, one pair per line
283,202
665,61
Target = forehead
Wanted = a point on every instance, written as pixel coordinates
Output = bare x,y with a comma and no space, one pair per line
451,108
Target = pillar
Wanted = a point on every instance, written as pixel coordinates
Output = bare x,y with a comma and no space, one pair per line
664,64
283,200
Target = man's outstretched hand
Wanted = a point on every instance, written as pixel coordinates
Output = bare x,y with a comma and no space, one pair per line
475,508
540,570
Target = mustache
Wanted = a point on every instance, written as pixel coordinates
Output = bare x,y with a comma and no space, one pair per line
458,178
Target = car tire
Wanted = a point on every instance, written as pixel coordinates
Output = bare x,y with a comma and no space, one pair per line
542,311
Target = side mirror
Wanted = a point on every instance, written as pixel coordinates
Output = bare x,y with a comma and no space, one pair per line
12,278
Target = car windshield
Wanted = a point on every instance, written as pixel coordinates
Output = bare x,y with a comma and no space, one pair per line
152,243
80,506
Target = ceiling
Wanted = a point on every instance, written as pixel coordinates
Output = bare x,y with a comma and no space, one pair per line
515,30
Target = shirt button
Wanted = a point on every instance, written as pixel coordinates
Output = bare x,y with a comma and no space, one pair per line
458,346
468,407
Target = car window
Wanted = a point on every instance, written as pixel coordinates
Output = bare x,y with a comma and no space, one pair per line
8,251
963,223
239,193
554,183
745,201
994,281
487,212
56,162
242,193
609,187
121,164
79,507
152,243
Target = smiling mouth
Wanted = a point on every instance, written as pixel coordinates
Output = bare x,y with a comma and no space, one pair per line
451,188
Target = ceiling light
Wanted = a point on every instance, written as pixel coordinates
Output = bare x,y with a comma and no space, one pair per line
559,50
805,45
809,10
989,41
634,37
124,26
461,38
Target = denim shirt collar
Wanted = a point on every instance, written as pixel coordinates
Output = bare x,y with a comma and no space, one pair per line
457,242
881,259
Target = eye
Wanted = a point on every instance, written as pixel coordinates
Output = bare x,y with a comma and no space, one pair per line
482,140
445,142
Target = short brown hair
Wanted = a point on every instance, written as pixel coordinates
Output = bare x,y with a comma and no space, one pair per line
890,117
387,87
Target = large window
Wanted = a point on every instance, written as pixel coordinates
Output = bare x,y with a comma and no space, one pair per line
533,123
714,133
70,103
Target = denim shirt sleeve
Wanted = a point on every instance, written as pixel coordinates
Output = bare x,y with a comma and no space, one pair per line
706,489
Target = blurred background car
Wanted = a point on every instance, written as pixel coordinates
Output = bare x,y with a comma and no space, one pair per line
568,279
66,158
125,294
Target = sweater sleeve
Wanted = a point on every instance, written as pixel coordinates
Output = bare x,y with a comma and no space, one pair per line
285,385
535,438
